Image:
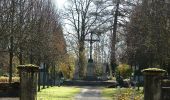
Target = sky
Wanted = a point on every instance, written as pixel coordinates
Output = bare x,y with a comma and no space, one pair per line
60,3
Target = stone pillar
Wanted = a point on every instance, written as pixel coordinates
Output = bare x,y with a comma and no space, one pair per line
28,81
152,83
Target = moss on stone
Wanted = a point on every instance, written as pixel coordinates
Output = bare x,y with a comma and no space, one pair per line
153,70
28,65
28,68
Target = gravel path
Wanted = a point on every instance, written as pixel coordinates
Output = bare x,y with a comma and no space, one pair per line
89,93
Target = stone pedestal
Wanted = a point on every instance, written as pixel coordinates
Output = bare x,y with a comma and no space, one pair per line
28,81
91,71
152,83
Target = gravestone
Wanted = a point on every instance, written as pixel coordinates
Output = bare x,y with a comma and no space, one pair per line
104,71
41,72
76,72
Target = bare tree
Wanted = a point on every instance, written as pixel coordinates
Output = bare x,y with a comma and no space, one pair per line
29,29
84,17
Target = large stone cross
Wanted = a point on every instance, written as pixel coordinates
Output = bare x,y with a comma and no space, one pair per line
91,40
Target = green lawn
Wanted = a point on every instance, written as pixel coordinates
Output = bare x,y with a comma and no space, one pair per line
58,93
108,93
122,93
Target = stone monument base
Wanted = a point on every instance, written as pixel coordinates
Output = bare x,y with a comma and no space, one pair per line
91,71
91,78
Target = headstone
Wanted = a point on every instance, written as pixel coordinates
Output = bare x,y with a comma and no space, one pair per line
41,72
76,72
104,71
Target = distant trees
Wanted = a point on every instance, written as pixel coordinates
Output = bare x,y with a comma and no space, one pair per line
148,35
31,31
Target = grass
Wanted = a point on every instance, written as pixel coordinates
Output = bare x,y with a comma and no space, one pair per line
122,94
58,93
108,93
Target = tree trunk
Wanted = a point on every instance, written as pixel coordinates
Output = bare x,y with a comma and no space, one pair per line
47,75
39,75
10,59
44,75
20,56
113,38
31,57
82,59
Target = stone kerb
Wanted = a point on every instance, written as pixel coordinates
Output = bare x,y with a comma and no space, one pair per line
152,83
28,81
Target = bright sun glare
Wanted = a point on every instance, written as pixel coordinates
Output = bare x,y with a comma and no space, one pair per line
60,3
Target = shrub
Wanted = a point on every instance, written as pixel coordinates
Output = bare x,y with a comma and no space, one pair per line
6,79
124,70
129,94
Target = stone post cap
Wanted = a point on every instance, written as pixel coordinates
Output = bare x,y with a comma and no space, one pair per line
153,71
28,68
